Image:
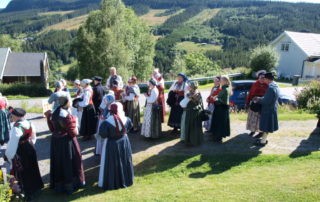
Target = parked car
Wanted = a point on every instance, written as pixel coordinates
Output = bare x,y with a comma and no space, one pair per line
241,89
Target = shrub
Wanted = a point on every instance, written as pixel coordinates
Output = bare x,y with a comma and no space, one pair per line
309,97
263,57
30,89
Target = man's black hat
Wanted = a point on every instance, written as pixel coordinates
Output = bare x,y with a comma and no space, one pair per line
97,78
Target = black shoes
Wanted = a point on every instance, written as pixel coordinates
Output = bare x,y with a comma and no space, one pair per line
259,135
260,144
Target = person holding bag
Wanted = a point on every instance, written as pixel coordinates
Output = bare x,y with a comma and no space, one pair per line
191,123
220,124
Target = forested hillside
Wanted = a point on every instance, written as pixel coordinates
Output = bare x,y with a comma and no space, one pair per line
229,29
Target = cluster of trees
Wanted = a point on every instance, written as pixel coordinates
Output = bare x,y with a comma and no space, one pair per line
114,36
58,45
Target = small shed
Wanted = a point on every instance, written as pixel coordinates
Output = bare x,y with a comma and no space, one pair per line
24,67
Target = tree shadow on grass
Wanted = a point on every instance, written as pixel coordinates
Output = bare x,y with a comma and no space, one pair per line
308,146
220,157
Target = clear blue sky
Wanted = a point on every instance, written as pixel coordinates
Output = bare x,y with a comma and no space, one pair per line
3,3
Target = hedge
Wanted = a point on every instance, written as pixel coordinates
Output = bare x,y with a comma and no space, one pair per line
30,89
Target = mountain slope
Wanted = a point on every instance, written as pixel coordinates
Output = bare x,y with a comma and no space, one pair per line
19,5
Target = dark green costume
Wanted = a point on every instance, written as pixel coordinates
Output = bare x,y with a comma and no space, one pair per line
191,124
220,125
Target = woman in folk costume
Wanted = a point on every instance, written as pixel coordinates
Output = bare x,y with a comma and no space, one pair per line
214,92
220,124
22,156
258,89
191,123
269,109
131,103
76,110
161,87
115,83
116,168
151,127
66,168
88,121
177,92
59,92
4,120
107,100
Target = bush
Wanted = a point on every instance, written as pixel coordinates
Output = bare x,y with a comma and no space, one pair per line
309,97
30,89
263,57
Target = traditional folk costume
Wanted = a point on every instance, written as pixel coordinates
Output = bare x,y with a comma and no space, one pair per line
151,127
115,84
191,123
89,119
56,95
214,92
4,121
220,124
66,168
76,109
269,111
22,156
258,89
116,168
177,92
98,93
131,104
105,113
161,99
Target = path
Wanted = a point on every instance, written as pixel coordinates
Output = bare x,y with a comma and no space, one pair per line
293,137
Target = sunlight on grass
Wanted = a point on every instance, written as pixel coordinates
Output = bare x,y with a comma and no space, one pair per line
193,47
228,177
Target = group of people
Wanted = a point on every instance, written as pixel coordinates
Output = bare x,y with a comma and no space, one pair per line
109,113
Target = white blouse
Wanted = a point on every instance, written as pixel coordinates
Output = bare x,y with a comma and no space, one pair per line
86,97
152,98
15,135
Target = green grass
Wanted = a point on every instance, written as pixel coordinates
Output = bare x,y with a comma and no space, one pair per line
228,177
22,97
204,16
65,68
193,47
31,109
284,114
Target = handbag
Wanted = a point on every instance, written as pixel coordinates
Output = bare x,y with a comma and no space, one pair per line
204,115
255,107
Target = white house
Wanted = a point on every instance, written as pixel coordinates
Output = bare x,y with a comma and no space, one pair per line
299,54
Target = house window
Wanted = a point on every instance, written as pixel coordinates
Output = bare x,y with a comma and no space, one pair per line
285,47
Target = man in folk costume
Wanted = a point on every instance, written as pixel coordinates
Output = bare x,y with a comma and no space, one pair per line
258,89
161,87
89,119
269,109
177,92
115,83
22,156
98,93
131,102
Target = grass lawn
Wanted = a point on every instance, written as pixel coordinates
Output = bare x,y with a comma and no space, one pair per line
284,114
199,177
204,16
70,24
22,97
193,47
153,20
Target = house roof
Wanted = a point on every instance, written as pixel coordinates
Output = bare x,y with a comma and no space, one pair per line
308,42
4,52
24,64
